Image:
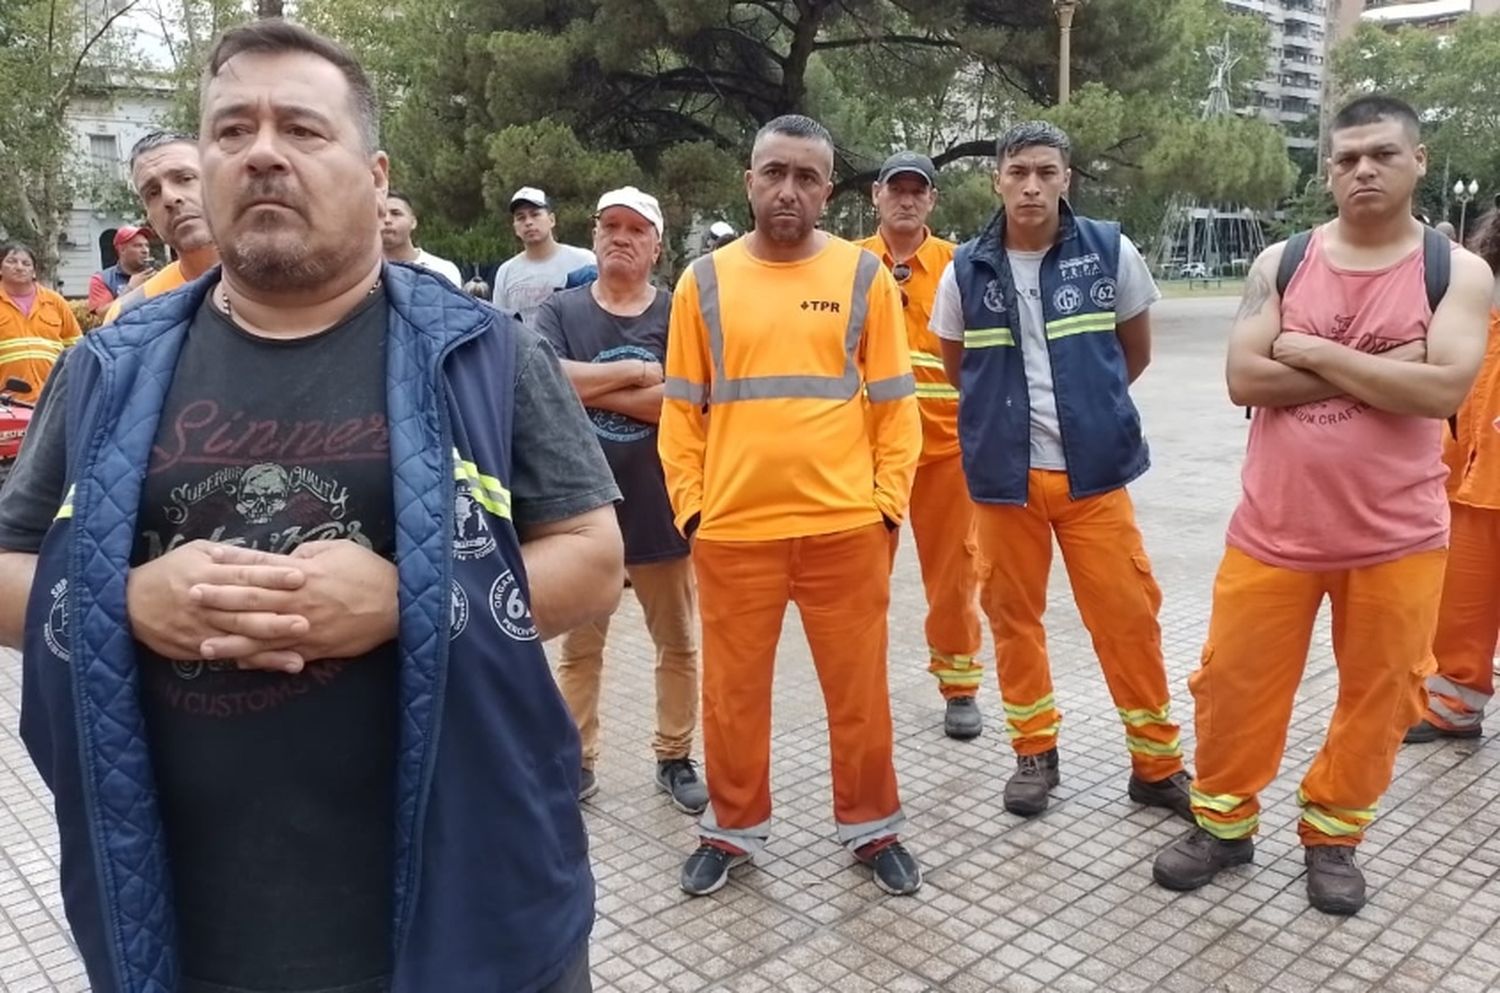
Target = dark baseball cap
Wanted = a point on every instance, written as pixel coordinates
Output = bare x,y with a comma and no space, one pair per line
912,162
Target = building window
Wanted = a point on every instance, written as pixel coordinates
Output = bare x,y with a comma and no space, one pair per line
104,153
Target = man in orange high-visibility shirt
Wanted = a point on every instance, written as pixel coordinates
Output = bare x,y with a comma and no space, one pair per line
942,516
789,437
1469,613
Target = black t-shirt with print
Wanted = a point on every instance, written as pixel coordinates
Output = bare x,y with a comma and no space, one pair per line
277,790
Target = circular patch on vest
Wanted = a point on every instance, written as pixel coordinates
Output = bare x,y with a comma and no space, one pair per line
471,532
994,299
509,608
1103,293
1067,299
458,613
55,631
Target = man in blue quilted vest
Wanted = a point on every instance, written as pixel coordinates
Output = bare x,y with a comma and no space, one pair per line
1045,319
292,535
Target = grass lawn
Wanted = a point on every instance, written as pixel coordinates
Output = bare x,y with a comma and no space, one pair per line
1180,288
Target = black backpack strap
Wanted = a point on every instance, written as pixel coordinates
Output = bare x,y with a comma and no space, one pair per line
1291,260
1437,260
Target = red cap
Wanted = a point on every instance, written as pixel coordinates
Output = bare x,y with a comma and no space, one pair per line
125,234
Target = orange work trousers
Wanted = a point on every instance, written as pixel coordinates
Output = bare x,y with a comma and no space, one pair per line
665,591
1116,596
942,522
841,585
1468,622
1258,635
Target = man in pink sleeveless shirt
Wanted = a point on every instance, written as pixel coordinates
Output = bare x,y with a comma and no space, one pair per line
1351,374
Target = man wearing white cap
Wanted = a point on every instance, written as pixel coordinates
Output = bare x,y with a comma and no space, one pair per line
542,267
611,336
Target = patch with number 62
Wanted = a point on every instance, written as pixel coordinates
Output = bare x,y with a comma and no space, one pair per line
509,608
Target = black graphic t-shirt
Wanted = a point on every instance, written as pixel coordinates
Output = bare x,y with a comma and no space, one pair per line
582,331
277,790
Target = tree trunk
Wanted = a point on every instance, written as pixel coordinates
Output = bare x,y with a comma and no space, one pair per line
268,8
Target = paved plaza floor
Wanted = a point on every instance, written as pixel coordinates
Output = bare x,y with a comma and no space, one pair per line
1064,902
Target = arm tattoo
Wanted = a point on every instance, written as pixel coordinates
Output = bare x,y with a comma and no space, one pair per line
1257,292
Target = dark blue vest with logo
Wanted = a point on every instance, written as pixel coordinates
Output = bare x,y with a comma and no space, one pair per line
1101,429
493,892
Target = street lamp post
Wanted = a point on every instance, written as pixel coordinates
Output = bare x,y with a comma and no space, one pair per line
1463,193
1065,10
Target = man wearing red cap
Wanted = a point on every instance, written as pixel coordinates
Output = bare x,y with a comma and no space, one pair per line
133,248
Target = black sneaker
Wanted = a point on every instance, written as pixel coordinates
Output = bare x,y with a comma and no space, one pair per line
962,720
1334,883
1026,790
1194,859
707,870
678,778
588,784
893,868
1172,793
1424,731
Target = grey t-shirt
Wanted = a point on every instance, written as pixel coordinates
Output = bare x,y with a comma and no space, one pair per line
557,470
521,284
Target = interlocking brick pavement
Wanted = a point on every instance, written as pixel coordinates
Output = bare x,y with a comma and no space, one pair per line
1061,903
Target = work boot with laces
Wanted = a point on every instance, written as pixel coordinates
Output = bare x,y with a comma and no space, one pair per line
1194,859
1335,884
1026,791
1173,793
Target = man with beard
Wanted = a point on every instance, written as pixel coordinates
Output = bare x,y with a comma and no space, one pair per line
612,336
397,222
165,171
298,725
942,516
789,437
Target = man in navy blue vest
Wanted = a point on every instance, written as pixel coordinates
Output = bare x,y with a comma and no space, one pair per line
292,535
1045,321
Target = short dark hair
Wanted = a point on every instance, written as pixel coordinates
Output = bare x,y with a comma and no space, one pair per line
398,195
1372,108
159,139
274,36
795,126
1033,134
12,247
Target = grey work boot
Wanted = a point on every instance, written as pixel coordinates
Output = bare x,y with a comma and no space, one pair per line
1026,790
1335,884
962,719
1194,859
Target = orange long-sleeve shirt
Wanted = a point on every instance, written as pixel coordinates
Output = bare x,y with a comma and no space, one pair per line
31,343
937,399
790,406
1473,456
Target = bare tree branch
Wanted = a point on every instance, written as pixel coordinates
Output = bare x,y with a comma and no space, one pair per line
889,39
64,93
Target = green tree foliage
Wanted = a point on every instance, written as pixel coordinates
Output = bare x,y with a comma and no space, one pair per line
484,96
1447,78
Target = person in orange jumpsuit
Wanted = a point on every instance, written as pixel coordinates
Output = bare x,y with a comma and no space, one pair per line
789,436
36,323
942,517
1351,372
1469,614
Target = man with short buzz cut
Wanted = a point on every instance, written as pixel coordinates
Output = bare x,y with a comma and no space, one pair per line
942,516
1045,318
282,653
611,336
1351,366
789,437
542,266
166,174
397,222
133,248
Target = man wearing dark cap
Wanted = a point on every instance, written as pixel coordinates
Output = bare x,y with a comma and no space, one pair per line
133,249
541,268
942,517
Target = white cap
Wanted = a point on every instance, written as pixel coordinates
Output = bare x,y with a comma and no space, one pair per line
721,229
642,203
531,195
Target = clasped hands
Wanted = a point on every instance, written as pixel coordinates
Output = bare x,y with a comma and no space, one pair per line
204,600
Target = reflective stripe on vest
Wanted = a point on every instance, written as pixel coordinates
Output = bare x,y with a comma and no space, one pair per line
1082,324
988,337
842,387
486,490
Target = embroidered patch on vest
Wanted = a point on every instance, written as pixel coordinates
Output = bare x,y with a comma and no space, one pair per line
994,300
1103,293
1067,299
509,608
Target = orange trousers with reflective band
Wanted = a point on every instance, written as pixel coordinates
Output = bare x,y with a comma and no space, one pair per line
841,586
942,522
1116,596
1468,622
1258,635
